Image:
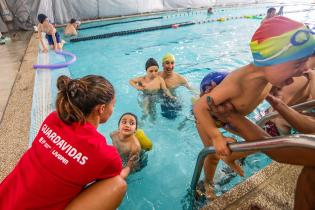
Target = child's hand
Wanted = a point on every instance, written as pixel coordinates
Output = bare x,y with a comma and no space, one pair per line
221,111
132,161
141,88
45,50
220,145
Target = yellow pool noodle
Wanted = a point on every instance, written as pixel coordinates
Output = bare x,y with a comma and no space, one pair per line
144,141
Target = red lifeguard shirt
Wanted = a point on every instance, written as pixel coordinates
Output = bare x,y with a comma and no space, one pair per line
62,160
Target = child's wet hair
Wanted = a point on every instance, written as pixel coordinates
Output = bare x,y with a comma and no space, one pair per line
129,113
77,97
151,62
41,18
73,20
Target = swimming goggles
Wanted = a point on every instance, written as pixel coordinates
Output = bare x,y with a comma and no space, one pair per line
299,38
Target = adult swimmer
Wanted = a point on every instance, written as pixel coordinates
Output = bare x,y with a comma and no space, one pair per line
68,153
172,80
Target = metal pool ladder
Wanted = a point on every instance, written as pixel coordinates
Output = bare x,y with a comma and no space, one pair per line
299,107
298,140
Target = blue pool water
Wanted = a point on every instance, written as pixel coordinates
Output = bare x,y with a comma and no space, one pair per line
198,49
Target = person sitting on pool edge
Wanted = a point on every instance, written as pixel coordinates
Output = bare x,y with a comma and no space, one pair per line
53,37
151,84
173,80
280,48
71,28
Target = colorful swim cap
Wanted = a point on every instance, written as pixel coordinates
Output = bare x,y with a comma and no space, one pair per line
168,57
279,40
151,62
215,76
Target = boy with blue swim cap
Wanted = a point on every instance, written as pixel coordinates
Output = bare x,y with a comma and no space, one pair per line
280,49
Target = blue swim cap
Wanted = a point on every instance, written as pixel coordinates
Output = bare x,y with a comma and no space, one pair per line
216,76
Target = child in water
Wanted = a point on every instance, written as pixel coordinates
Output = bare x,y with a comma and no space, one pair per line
150,84
280,48
126,142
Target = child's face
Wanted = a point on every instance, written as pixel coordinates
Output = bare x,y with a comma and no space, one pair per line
127,125
152,71
281,74
46,22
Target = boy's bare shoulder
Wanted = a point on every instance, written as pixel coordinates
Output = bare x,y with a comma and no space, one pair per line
113,134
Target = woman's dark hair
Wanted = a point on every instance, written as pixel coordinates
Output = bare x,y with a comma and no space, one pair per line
77,97
41,18
129,113
151,62
73,20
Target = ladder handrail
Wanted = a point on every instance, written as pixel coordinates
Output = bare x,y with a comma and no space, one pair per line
297,107
297,140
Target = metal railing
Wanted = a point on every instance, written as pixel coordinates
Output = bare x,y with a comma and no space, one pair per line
299,107
299,140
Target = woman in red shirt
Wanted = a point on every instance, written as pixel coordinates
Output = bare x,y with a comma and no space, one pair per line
68,153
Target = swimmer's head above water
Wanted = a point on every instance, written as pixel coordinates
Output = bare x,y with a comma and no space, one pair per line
152,68
168,62
128,123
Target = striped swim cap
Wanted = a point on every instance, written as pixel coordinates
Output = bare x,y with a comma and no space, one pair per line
279,40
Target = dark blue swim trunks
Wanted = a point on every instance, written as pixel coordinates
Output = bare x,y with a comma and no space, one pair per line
50,38
170,108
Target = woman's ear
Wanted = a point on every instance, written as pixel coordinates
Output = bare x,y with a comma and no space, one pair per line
100,109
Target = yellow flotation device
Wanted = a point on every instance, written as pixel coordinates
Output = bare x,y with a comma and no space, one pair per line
144,141
221,19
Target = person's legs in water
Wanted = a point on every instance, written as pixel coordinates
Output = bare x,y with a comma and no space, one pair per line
145,103
211,162
152,109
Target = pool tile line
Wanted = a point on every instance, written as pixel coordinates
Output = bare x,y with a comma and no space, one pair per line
44,93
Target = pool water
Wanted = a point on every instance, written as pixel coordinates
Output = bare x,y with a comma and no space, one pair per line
198,49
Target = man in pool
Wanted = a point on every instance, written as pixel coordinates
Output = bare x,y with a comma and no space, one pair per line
280,48
172,80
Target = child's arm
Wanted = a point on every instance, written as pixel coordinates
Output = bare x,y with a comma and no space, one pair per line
166,91
54,37
135,83
41,39
113,136
202,113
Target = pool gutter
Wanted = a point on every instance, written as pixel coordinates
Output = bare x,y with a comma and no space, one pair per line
271,188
